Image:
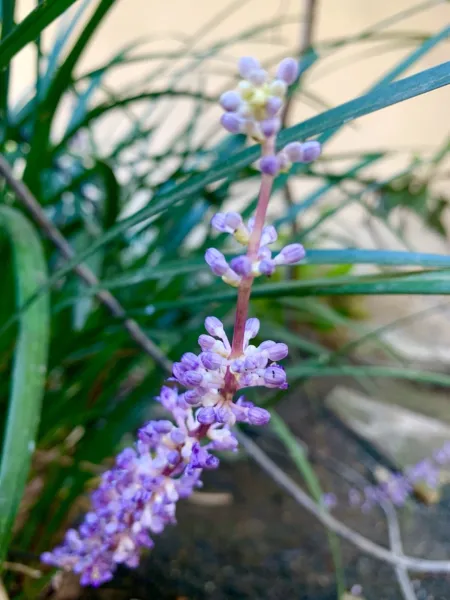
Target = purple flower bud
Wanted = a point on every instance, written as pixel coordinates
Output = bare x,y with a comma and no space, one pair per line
270,127
241,265
177,436
211,360
287,70
269,165
225,415
275,377
179,371
214,326
173,457
258,416
264,253
269,235
246,65
193,378
233,220
251,328
251,363
218,222
230,101
231,122
311,151
162,426
206,416
266,345
257,76
192,397
277,351
302,153
267,267
206,342
290,254
294,151
216,260
273,105
126,458
190,360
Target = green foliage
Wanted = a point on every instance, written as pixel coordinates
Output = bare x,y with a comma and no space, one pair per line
29,370
99,385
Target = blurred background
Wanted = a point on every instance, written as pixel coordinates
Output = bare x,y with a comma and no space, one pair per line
113,106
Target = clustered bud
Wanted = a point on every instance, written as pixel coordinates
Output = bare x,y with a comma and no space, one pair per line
255,107
242,266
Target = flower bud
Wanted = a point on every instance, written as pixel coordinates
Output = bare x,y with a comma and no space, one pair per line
216,260
230,101
275,377
271,126
241,265
258,416
246,65
288,70
251,328
269,165
214,326
231,122
206,416
290,254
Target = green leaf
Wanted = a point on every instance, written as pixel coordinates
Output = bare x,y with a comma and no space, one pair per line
7,24
30,362
29,29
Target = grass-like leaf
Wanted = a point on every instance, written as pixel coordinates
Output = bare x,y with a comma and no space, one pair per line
28,377
30,28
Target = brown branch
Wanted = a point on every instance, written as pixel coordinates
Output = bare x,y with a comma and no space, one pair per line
29,202
283,480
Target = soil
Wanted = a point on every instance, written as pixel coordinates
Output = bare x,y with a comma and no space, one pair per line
259,544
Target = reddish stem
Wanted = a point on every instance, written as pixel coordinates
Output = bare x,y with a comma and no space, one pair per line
245,287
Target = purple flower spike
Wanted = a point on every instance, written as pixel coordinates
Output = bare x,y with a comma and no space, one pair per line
288,70
216,260
231,122
230,101
270,127
258,416
269,165
290,254
246,65
241,265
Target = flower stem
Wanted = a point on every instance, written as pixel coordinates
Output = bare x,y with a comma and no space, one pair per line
245,287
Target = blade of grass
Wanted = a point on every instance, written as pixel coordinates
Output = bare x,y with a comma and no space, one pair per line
30,362
29,29
7,25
